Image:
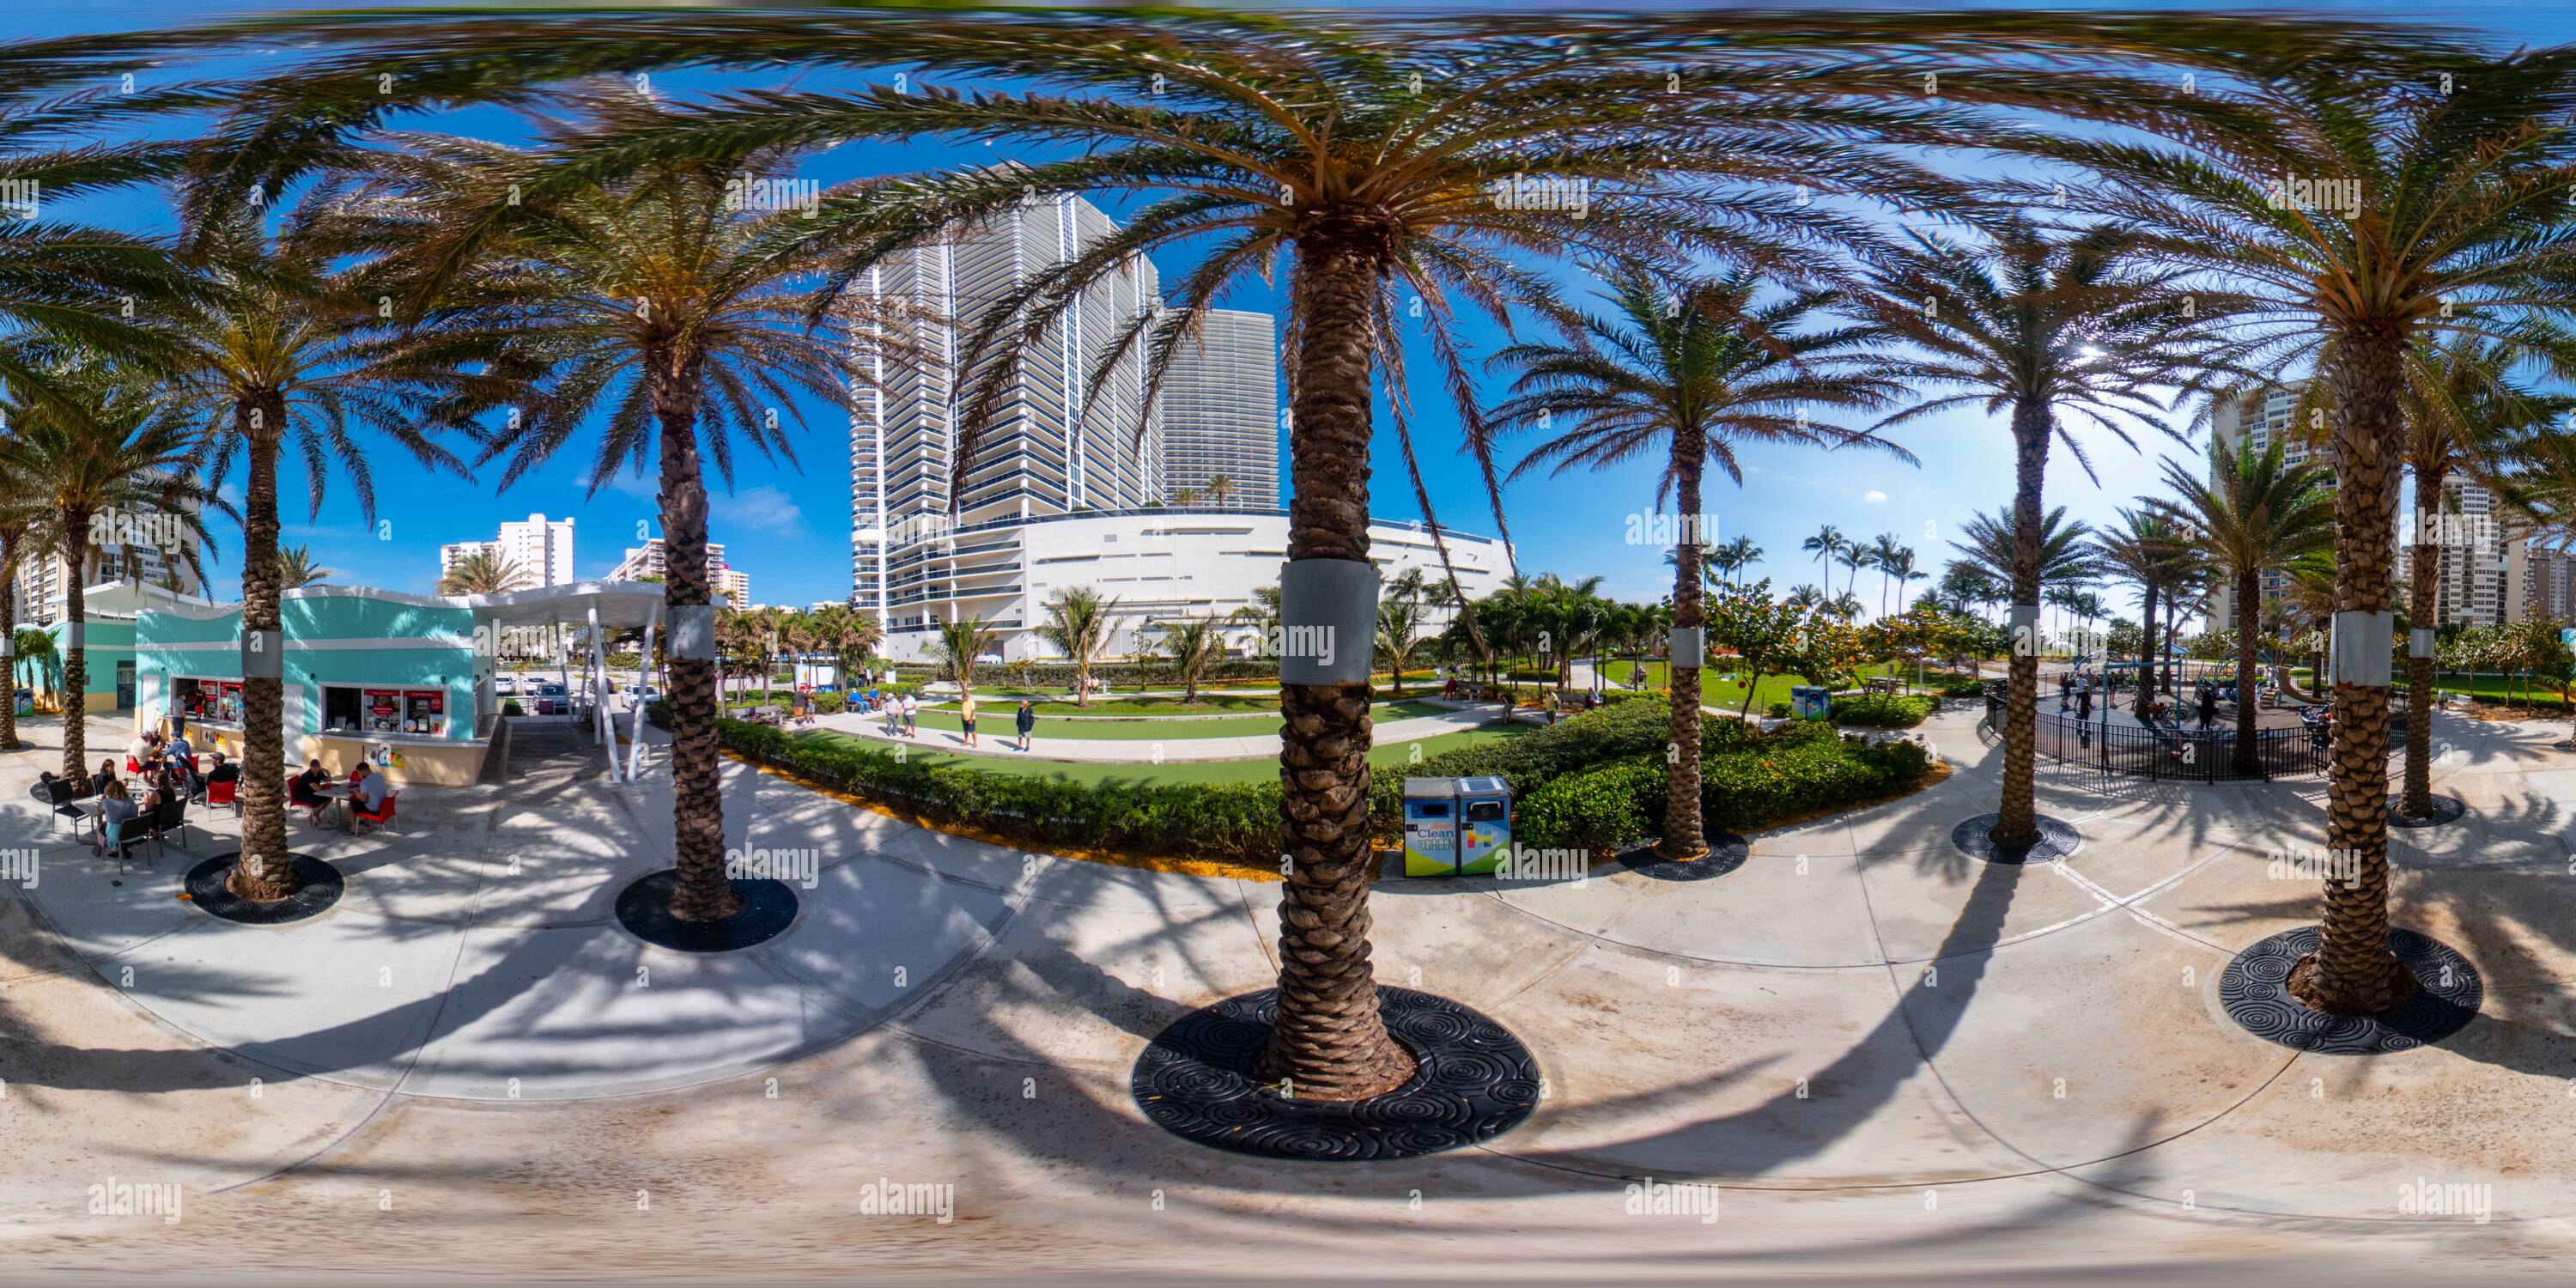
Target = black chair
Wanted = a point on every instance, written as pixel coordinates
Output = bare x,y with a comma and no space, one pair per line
57,794
168,820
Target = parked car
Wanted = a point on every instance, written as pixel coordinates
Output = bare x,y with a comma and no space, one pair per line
506,685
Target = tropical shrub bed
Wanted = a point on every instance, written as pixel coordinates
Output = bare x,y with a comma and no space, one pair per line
1058,677
1798,770
1884,710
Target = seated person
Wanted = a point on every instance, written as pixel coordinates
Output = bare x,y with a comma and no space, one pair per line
224,771
305,789
372,788
114,807
106,774
140,750
178,748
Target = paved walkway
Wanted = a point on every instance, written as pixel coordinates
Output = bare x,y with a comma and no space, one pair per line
1890,1056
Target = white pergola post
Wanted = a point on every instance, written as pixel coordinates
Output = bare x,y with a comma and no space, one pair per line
635,723
599,692
563,669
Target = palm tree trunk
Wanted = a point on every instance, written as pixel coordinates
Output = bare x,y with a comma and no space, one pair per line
2423,592
2353,972
264,870
2146,652
702,892
1684,836
2017,812
75,531
1329,1041
2249,595
9,642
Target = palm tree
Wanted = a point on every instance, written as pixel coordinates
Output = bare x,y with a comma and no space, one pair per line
1399,621
297,568
1080,621
1194,644
1825,545
1185,496
1219,487
2066,555
2464,414
651,294
2466,180
1884,552
1853,556
2251,515
1737,555
2151,549
1900,568
2036,326
961,643
848,633
95,445
484,571
1690,372
23,516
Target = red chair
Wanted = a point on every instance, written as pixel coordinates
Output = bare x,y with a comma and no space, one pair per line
224,793
358,811
131,767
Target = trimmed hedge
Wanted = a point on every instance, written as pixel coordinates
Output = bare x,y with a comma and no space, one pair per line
1884,710
1809,770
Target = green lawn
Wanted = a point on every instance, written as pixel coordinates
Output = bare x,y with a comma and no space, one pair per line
1715,691
996,715
1392,756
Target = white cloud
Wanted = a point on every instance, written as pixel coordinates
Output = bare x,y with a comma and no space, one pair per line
759,509
1874,497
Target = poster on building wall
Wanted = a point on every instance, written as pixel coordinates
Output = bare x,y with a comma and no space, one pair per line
384,709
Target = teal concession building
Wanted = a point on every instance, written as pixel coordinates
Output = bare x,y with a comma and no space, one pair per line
402,681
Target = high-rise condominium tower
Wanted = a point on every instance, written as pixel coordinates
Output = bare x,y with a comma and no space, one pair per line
1064,437
1220,406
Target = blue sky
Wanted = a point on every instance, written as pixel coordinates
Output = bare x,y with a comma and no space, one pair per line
787,527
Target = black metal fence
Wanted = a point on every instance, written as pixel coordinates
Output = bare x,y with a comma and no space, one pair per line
2176,752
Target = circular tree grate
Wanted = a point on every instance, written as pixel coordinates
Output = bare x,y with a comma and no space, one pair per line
644,909
2446,809
1726,853
2058,839
2255,989
322,888
1475,1082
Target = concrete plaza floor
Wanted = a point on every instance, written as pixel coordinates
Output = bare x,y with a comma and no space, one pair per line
1892,1059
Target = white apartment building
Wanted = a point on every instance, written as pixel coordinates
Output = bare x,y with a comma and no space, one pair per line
647,561
1062,439
540,548
1161,565
2469,585
157,559
1220,406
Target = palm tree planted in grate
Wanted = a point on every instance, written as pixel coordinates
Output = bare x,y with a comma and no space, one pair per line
1687,372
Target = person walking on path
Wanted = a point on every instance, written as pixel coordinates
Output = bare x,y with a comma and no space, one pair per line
966,715
2208,706
1555,704
1026,721
911,714
2083,704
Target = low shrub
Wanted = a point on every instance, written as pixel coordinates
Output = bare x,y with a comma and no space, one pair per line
1597,810
1604,807
1779,710
1951,685
1884,710
510,707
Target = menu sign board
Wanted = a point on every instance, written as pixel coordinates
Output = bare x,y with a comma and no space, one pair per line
383,708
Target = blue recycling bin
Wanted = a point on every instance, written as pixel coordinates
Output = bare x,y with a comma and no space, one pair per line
1484,825
1430,827
1811,702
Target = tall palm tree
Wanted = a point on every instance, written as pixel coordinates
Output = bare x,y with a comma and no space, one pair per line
1884,552
2152,550
96,444
1854,556
1737,555
281,345
653,295
2035,326
297,568
2251,515
1691,371
1400,613
1374,188
1080,621
481,572
1194,644
1827,543
1219,487
2440,197
2465,414
850,634
23,518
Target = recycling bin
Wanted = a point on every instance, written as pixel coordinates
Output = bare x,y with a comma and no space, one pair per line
1811,702
1484,825
1430,827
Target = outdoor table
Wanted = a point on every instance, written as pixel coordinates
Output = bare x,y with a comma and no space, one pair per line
339,793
